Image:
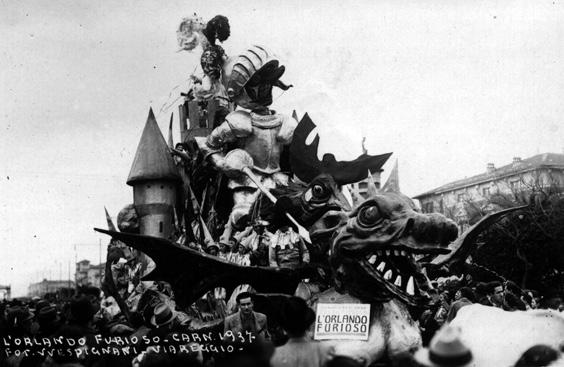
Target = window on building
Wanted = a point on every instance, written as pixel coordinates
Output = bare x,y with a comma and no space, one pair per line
461,197
486,191
428,207
515,185
363,185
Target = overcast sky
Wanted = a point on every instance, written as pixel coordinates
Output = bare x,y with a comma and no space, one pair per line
448,86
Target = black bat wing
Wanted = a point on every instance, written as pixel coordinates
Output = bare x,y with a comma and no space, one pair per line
192,274
306,166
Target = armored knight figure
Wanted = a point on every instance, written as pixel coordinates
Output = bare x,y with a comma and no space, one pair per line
262,133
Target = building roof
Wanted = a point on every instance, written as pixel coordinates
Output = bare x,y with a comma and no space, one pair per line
545,160
152,160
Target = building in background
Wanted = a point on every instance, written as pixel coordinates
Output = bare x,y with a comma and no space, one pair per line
88,274
5,292
40,289
466,200
359,189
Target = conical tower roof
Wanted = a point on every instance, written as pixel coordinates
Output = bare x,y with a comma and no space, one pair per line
152,159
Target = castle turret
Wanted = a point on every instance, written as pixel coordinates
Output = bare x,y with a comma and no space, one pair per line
154,178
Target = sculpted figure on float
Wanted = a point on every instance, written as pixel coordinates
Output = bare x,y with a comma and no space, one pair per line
372,257
261,132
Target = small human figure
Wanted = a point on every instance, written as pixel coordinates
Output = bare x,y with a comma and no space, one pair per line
212,60
463,297
213,249
287,249
258,243
225,250
240,255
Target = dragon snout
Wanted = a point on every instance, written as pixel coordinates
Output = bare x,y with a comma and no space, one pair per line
431,228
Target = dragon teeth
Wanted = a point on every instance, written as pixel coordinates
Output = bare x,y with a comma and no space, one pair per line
388,252
372,259
398,281
410,287
381,266
388,275
397,252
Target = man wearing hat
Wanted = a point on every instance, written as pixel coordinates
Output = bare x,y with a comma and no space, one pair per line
49,321
163,316
445,349
212,249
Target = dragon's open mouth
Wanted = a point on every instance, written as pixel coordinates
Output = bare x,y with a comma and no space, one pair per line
396,269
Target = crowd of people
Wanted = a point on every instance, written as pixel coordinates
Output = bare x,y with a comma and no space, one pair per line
88,314
455,293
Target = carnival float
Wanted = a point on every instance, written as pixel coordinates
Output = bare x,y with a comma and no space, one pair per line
245,175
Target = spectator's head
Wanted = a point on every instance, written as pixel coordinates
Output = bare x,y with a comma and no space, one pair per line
259,226
242,250
538,355
93,296
48,319
512,287
81,311
223,247
213,249
163,316
297,317
40,304
445,349
245,302
466,293
444,296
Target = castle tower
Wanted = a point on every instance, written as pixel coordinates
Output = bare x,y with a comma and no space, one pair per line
154,178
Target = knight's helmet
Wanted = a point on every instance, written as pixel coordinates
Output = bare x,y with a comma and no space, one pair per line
256,65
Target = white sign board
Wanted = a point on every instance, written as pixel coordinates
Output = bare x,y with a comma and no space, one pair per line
342,321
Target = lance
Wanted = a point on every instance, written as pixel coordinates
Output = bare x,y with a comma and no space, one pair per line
239,160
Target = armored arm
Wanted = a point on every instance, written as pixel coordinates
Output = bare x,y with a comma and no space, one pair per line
237,125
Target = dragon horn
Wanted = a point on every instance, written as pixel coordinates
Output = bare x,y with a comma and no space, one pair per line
295,115
111,225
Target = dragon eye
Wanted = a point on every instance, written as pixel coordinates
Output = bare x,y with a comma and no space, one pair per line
318,191
369,216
